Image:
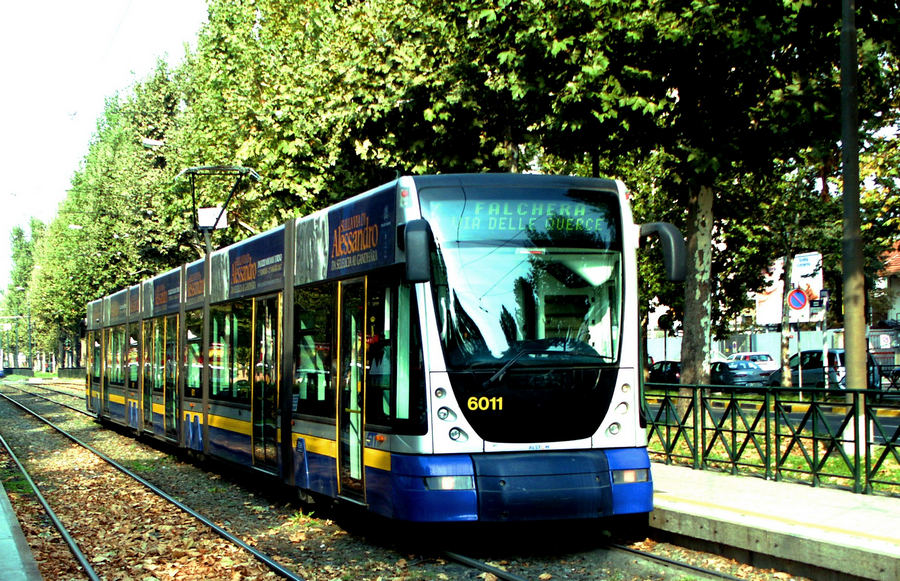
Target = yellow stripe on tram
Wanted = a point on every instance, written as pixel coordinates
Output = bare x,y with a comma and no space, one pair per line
230,424
315,445
380,459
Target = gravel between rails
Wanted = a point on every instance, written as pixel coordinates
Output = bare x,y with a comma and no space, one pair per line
150,541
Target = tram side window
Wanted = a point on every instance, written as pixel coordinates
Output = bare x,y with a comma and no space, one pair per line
96,364
313,391
193,359
115,352
147,344
133,351
171,351
409,412
395,378
231,328
159,355
379,353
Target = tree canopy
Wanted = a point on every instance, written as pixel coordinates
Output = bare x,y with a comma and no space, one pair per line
722,117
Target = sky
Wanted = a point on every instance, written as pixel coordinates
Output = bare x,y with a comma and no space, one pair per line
60,60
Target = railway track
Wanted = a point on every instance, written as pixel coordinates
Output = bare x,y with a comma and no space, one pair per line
118,496
316,548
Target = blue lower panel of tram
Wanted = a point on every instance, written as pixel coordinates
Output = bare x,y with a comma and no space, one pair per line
117,408
230,445
512,486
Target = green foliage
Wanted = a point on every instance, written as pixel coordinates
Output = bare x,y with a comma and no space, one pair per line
325,100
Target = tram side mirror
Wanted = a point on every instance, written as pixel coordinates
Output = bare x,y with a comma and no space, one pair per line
418,241
674,252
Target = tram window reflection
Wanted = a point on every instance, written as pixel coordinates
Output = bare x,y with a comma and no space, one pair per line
313,392
231,331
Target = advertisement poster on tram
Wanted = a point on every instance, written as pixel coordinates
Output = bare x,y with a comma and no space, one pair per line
361,235
256,264
806,275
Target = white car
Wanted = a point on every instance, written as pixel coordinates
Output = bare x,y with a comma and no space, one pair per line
764,360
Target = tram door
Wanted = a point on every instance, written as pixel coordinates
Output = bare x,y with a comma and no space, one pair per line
104,385
265,384
147,344
351,378
171,377
96,366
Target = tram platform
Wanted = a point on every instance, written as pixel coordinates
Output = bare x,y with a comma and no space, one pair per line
16,561
822,533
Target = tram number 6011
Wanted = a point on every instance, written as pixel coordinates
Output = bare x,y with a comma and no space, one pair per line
486,403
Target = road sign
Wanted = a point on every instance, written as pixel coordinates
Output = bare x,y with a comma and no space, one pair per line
797,299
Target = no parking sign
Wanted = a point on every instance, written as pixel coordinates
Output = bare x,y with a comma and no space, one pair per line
797,299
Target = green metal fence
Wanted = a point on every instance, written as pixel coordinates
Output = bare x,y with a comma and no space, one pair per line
841,438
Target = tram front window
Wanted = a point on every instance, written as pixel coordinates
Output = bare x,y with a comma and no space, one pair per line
528,296
536,270
497,303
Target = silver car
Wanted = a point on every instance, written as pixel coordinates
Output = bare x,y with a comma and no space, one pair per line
814,370
738,373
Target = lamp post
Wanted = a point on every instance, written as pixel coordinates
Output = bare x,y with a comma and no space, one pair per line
206,220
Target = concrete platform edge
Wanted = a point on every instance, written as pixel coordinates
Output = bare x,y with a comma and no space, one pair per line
26,566
850,561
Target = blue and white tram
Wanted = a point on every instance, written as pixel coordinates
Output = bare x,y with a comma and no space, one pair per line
439,349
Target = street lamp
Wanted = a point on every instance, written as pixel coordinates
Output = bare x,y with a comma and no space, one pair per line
207,220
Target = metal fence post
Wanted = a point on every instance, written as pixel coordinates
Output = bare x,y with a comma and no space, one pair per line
697,418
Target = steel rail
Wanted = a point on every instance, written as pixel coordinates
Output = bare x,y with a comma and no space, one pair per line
63,532
260,556
59,391
74,409
481,566
684,567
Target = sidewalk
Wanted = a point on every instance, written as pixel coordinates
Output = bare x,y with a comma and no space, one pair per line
853,534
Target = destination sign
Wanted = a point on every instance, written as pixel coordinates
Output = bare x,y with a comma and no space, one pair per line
544,214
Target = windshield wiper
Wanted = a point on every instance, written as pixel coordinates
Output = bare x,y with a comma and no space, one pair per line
502,371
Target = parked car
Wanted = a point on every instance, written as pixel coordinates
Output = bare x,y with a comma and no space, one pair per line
738,373
764,360
814,369
665,372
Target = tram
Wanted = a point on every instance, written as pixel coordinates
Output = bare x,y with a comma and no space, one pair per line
442,348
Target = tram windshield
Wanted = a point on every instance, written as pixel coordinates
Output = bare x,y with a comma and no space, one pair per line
526,276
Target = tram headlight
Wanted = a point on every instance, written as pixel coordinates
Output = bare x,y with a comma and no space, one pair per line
626,387
614,428
450,483
458,435
622,408
446,414
440,392
630,476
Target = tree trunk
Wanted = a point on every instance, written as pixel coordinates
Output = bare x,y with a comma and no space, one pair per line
695,356
786,273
